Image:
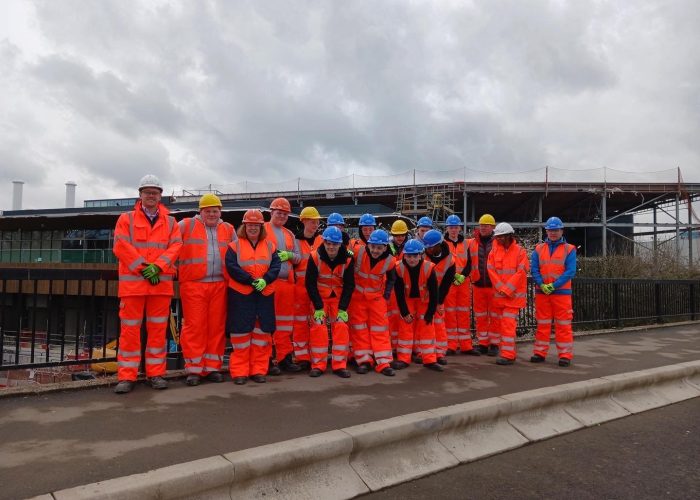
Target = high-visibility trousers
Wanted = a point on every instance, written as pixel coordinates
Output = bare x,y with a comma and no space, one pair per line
318,339
251,353
303,311
556,308
369,329
394,319
284,318
506,321
458,317
131,311
440,334
203,336
484,316
423,334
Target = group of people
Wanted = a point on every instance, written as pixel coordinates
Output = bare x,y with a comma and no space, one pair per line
380,301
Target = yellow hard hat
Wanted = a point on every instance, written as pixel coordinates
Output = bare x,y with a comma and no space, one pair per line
209,200
487,219
399,227
309,213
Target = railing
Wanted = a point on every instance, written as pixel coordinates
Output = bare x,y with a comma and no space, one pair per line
55,256
51,318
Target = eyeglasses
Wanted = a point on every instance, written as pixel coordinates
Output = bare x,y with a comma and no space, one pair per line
150,193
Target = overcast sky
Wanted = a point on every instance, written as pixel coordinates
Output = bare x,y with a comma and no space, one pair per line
207,92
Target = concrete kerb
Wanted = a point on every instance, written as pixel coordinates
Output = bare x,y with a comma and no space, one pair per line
350,461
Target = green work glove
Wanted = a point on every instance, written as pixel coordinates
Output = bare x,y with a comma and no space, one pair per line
343,316
350,252
154,280
259,284
459,279
150,271
319,315
285,255
547,288
550,287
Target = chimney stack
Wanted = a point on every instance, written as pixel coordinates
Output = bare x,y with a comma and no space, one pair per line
70,194
17,195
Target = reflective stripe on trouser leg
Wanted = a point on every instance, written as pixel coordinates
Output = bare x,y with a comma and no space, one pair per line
379,336
359,329
284,316
203,325
508,321
451,317
440,335
464,318
544,316
563,333
394,320
157,316
302,312
483,298
340,335
424,333
216,338
260,351
129,355
239,362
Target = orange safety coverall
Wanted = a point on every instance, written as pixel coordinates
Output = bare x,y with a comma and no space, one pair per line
136,244
202,277
418,331
507,269
482,292
440,269
458,303
393,307
302,303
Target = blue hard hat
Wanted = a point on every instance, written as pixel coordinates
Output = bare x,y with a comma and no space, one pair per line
332,234
425,222
453,220
367,220
554,223
335,218
413,247
378,237
432,238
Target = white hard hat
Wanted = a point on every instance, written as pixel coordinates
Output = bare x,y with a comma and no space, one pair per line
150,181
503,228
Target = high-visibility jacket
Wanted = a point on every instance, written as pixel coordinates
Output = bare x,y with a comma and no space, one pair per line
442,267
426,269
192,264
371,281
284,240
253,260
475,246
460,252
137,243
550,267
507,269
305,249
356,243
329,280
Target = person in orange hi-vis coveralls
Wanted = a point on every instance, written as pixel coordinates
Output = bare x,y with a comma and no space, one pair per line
553,267
416,290
252,265
284,292
147,242
202,277
399,237
365,226
329,283
369,323
459,299
508,266
482,290
307,240
438,253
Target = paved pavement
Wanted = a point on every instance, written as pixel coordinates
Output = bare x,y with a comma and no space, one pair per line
655,454
60,440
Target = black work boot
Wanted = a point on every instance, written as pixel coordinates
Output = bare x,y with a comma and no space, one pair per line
315,372
124,386
451,352
483,349
240,380
472,352
537,359
193,379
442,361
258,378
399,365
273,369
343,373
434,366
216,377
388,371
565,362
305,365
288,365
363,368
493,350
504,361
158,383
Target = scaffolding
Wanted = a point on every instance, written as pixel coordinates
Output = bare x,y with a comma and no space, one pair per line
435,201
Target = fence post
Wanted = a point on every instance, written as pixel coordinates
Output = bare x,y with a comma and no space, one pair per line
657,300
616,305
692,301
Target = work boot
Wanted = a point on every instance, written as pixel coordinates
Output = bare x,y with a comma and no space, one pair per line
343,373
240,380
565,362
193,380
504,361
399,365
124,386
158,383
363,368
441,361
258,378
451,352
483,349
388,371
493,350
216,377
473,352
305,365
537,359
434,366
315,372
273,370
288,365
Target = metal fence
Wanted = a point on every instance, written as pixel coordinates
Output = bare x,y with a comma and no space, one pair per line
61,318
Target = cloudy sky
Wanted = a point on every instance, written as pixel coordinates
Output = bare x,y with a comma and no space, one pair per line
229,92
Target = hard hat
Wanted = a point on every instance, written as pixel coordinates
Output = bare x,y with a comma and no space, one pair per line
334,219
309,213
209,200
281,204
425,222
453,220
432,238
413,247
332,234
367,220
378,237
503,228
399,227
150,181
253,216
487,219
554,223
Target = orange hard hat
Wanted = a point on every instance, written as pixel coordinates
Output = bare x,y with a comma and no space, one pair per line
281,204
253,216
